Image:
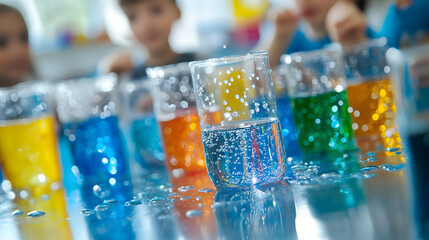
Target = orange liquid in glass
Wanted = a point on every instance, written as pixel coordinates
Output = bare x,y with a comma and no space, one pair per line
182,142
28,152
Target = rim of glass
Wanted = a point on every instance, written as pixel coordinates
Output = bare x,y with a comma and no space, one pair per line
333,49
371,43
110,79
213,62
159,71
28,88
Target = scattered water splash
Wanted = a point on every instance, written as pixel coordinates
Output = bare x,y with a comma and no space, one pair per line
133,202
205,190
17,212
185,188
194,213
34,214
87,212
102,207
185,198
392,168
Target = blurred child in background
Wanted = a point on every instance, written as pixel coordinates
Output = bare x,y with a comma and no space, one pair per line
315,24
15,57
151,22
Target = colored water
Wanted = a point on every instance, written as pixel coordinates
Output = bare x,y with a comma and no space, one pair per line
182,144
97,149
243,154
287,123
323,123
28,152
145,135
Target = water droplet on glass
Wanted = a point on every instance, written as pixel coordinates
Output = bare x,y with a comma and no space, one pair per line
157,200
392,168
198,198
200,205
110,201
17,213
174,200
87,212
34,214
194,213
133,202
165,217
185,188
205,190
185,198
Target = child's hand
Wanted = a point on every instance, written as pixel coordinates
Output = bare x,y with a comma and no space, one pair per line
346,24
286,22
118,62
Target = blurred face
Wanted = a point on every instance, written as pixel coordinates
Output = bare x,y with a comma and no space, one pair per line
315,11
151,22
15,61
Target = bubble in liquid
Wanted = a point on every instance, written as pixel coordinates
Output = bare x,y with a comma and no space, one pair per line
34,214
194,213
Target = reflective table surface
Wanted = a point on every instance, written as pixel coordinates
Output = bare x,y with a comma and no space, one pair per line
372,203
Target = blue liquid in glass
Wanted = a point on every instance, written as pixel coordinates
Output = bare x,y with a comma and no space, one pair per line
97,149
243,154
145,135
287,123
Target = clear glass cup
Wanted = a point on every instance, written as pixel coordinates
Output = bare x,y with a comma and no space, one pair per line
141,123
87,108
239,122
176,113
412,70
28,143
317,88
371,95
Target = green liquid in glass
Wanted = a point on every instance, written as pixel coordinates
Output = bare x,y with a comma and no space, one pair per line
324,124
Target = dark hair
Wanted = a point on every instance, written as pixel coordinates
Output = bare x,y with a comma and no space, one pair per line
127,2
6,8
361,4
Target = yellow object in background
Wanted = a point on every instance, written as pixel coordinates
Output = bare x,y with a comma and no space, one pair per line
28,152
236,92
247,11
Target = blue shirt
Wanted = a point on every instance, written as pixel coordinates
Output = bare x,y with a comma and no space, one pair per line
407,26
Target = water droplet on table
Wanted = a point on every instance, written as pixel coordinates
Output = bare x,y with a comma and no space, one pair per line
34,214
133,202
194,213
17,212
185,188
87,212
205,190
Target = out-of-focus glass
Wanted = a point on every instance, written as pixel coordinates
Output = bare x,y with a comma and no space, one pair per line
239,121
287,122
317,88
371,95
28,144
177,116
141,123
87,108
412,68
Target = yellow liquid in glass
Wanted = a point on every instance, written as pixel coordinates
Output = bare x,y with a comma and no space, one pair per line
28,152
373,107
